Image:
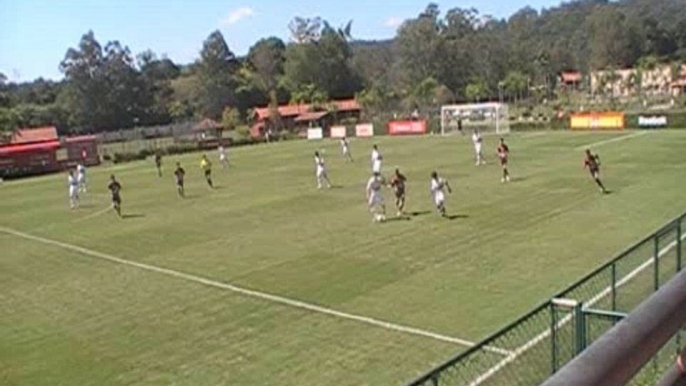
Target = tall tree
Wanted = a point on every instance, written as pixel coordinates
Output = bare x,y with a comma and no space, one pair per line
216,70
267,58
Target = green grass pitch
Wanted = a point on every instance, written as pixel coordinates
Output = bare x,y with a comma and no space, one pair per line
72,317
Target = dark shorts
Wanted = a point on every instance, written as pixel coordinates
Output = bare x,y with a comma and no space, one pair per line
179,183
503,161
595,173
400,193
116,200
208,173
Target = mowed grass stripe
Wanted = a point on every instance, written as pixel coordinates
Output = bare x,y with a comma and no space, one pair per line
248,292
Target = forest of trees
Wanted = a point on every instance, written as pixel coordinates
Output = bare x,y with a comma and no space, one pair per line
437,57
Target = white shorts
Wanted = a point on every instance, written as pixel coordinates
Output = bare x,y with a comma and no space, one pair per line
477,149
376,167
376,200
82,179
222,158
321,172
439,199
73,192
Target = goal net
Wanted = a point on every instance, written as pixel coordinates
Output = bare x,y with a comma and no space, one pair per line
486,117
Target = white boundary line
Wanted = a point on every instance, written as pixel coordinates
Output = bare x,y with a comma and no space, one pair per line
542,336
605,142
94,215
252,293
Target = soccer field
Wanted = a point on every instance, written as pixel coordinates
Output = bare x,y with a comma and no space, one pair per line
268,281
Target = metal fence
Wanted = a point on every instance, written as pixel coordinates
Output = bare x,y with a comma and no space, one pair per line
531,349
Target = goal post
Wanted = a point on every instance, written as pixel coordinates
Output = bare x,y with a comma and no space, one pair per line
486,117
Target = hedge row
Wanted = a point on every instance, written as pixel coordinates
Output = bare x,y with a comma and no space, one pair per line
180,148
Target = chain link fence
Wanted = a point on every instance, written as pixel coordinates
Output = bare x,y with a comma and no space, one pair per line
530,350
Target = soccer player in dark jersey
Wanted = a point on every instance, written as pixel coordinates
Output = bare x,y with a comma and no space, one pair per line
158,163
504,155
592,163
115,188
398,184
179,174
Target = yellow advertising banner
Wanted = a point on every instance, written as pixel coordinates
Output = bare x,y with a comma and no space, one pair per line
597,121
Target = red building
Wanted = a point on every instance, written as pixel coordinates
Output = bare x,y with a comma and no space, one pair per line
40,150
298,117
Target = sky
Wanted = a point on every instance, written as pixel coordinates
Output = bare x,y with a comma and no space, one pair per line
35,34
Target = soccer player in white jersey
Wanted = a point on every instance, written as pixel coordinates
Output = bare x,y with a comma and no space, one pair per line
81,178
375,200
478,140
438,187
345,147
223,158
73,183
376,160
321,171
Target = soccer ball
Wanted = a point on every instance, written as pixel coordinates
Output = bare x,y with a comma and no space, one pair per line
379,217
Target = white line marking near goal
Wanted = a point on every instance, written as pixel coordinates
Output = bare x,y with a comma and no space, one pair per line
605,142
542,336
94,215
253,293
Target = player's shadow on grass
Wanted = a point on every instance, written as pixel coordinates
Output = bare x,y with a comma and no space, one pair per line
419,214
457,217
132,216
399,219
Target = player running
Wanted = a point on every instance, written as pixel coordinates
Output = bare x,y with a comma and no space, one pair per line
592,163
438,186
81,177
478,140
115,189
375,201
504,155
206,166
376,160
73,183
179,175
345,147
398,184
158,163
223,157
321,171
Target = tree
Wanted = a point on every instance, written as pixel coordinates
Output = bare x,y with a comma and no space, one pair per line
231,119
216,82
325,65
85,91
477,90
267,59
305,30
516,84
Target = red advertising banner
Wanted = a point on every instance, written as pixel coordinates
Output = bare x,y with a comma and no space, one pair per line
406,127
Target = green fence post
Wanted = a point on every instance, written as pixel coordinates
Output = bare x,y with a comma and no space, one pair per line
434,380
580,328
678,246
657,262
614,286
553,338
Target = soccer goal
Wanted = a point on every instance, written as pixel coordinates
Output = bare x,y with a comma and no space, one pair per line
486,117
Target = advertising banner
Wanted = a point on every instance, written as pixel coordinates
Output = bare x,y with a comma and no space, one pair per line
364,130
597,121
406,127
315,133
652,121
338,132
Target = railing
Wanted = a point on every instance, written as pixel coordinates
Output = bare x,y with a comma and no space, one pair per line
531,349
